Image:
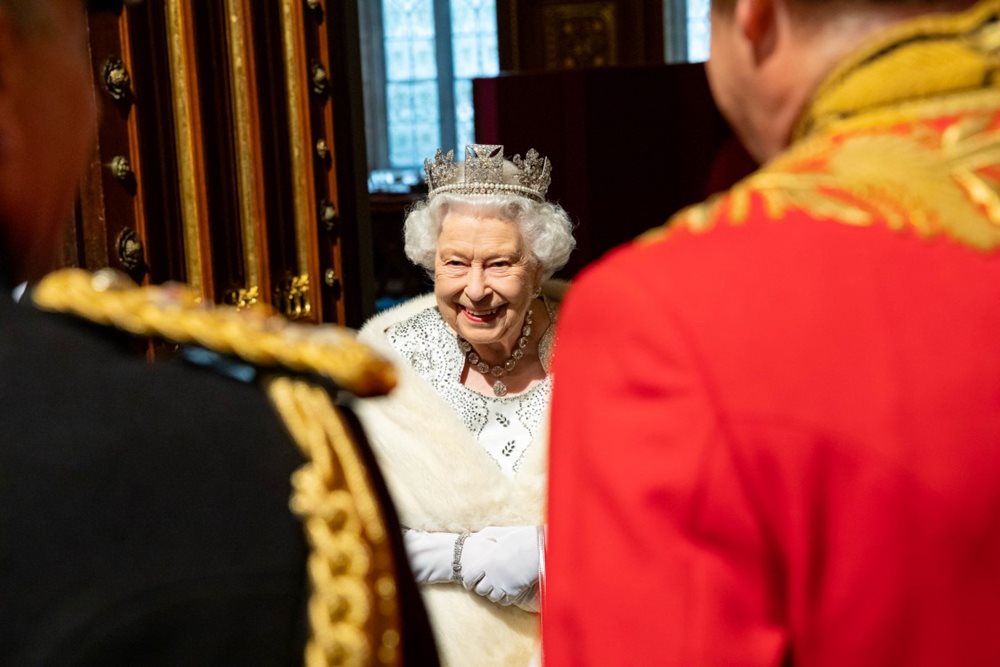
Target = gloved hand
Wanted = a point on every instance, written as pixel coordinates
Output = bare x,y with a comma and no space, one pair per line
431,555
501,563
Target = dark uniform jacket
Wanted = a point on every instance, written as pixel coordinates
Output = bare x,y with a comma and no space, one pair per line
144,509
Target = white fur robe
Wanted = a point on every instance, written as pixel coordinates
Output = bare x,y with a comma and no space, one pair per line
441,479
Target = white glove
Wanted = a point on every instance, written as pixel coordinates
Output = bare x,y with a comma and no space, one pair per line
431,555
501,563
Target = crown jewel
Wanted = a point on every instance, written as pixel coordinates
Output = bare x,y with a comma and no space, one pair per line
484,173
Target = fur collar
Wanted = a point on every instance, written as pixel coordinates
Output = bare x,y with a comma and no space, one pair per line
440,478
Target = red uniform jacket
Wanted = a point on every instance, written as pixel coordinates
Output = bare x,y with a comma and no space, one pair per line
776,424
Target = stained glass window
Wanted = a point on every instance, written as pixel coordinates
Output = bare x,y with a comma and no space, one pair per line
698,30
412,99
474,54
423,76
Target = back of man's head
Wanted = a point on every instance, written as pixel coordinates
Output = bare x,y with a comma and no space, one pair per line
769,56
842,5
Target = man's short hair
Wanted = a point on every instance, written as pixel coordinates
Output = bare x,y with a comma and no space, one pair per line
725,6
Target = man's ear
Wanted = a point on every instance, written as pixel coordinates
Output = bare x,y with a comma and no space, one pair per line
756,21
754,17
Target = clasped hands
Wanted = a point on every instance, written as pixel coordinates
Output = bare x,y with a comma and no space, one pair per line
499,563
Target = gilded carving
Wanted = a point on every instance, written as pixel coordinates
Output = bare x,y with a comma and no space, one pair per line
580,35
298,79
243,298
291,297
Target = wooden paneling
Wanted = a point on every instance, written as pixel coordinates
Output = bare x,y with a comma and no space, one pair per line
189,146
346,245
276,151
241,153
153,110
111,225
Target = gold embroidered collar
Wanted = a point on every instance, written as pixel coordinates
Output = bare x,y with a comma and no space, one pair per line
927,57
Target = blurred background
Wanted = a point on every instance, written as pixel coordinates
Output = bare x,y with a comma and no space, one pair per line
266,153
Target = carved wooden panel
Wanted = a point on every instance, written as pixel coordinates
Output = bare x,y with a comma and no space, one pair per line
569,34
580,35
227,156
111,226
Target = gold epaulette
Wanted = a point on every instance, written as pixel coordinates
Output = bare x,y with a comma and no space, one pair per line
913,179
919,178
911,61
174,313
353,610
904,133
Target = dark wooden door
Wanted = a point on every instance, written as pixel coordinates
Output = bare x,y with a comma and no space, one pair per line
230,154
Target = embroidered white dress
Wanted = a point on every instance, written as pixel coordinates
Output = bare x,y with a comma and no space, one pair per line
504,426
455,460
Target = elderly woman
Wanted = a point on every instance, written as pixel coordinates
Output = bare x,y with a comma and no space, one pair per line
462,439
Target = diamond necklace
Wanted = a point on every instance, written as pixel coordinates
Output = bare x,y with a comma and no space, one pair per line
499,388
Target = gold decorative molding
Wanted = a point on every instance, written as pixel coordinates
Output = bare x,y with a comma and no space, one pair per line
190,159
177,314
243,84
291,297
243,298
580,35
297,76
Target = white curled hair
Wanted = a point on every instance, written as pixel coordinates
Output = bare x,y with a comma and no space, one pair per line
545,227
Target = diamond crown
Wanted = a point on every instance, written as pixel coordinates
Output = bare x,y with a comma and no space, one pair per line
484,173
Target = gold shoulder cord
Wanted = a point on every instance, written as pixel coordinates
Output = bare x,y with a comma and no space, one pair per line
353,613
350,561
175,314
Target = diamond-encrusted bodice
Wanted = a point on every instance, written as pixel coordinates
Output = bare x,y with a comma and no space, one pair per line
504,426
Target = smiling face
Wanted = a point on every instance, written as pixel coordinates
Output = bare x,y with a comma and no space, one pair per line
484,277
